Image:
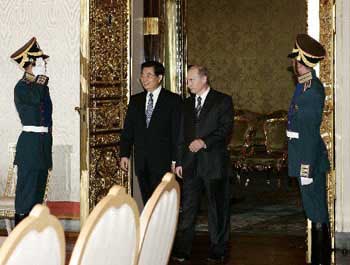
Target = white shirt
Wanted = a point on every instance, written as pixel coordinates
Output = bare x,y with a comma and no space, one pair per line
155,94
203,96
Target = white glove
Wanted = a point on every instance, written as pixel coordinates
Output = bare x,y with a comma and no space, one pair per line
306,181
39,68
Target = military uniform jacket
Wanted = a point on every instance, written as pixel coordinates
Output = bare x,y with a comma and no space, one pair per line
34,106
307,153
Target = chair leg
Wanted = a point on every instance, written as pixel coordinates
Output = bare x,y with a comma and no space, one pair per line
8,226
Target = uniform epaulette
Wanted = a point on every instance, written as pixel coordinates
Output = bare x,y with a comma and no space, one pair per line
42,80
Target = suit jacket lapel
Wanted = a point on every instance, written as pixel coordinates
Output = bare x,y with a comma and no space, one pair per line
193,109
208,103
143,107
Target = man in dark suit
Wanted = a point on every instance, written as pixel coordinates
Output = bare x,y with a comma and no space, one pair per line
307,153
33,150
203,164
151,126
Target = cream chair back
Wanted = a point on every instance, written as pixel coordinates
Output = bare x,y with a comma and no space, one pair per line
158,223
37,240
111,232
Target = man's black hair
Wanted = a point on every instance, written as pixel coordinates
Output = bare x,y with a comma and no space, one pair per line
157,66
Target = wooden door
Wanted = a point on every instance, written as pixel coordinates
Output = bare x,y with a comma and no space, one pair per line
104,57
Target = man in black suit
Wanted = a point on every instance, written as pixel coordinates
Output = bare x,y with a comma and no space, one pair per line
203,163
151,126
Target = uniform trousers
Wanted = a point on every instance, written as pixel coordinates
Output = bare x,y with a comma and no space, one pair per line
30,188
314,197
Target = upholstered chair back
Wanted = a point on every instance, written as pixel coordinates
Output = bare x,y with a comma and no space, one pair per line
111,232
275,131
158,223
37,240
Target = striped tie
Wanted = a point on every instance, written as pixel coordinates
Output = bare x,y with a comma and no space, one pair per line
149,109
199,106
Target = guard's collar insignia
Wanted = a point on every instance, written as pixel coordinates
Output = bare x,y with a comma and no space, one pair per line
28,77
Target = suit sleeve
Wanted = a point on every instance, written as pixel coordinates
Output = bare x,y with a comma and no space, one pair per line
225,124
127,136
181,139
311,118
175,127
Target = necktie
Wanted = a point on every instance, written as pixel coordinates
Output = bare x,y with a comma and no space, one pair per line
199,106
149,109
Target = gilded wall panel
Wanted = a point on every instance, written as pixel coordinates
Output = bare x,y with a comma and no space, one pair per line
245,44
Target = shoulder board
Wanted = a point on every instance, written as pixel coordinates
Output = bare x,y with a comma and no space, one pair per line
42,80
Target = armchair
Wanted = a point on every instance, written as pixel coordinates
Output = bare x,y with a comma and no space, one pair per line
7,200
265,144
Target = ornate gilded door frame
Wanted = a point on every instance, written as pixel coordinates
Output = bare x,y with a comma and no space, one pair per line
327,37
175,46
105,71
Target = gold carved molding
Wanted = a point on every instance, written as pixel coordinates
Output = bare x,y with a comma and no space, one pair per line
327,31
175,58
150,26
104,89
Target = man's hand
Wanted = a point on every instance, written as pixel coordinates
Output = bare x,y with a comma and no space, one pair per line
178,171
196,145
124,163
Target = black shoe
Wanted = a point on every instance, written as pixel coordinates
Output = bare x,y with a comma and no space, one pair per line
216,259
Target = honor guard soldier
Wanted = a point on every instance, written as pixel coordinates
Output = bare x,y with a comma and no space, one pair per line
307,153
34,146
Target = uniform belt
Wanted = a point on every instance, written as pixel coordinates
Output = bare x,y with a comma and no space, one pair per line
37,129
291,135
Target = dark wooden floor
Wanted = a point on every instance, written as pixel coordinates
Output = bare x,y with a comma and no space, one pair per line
248,249
244,250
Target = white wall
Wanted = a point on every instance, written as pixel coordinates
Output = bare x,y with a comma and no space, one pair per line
342,120
56,24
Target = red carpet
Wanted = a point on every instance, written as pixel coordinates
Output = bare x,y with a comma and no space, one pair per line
64,209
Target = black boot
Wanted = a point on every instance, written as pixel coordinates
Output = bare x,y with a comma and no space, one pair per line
327,244
19,217
320,245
